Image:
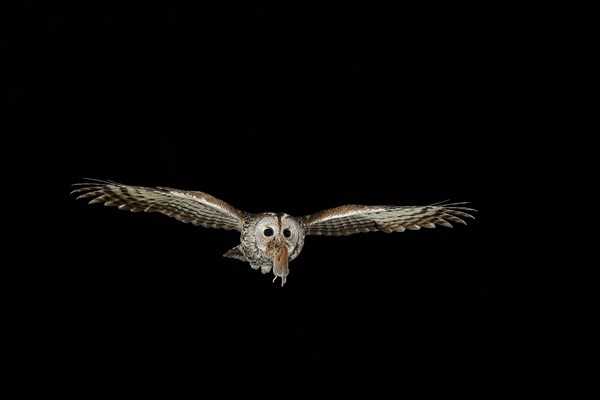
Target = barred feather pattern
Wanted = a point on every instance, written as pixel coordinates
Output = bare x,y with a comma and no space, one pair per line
352,218
194,207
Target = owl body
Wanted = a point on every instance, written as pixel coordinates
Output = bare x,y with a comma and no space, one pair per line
269,241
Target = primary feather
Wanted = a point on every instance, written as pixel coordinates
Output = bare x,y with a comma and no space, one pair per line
352,218
194,207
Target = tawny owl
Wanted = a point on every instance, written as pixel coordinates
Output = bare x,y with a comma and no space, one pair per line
269,240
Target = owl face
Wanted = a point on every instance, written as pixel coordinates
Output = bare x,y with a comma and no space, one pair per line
281,237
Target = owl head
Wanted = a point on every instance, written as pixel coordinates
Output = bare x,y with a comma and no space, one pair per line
272,241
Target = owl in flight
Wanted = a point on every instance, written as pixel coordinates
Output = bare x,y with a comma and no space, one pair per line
269,240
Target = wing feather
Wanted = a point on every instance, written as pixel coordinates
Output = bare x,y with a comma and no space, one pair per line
353,218
194,207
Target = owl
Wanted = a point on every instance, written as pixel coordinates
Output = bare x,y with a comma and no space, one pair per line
269,240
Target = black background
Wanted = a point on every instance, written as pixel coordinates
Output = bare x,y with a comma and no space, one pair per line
298,108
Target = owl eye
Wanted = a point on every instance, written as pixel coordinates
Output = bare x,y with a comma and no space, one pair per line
287,233
268,232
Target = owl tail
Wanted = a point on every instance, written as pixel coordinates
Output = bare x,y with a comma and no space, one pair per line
236,253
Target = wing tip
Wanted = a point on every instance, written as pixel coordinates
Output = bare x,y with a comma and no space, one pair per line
89,185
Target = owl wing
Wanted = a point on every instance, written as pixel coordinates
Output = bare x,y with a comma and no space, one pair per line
199,208
352,218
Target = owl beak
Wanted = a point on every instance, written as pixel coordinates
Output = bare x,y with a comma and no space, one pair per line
278,250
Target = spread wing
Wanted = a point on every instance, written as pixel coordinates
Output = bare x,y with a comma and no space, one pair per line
198,208
352,218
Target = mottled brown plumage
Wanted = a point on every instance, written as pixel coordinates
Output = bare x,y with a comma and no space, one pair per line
269,241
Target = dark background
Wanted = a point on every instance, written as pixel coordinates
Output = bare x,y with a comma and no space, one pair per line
297,109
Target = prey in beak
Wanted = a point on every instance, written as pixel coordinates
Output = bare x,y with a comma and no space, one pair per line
278,250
